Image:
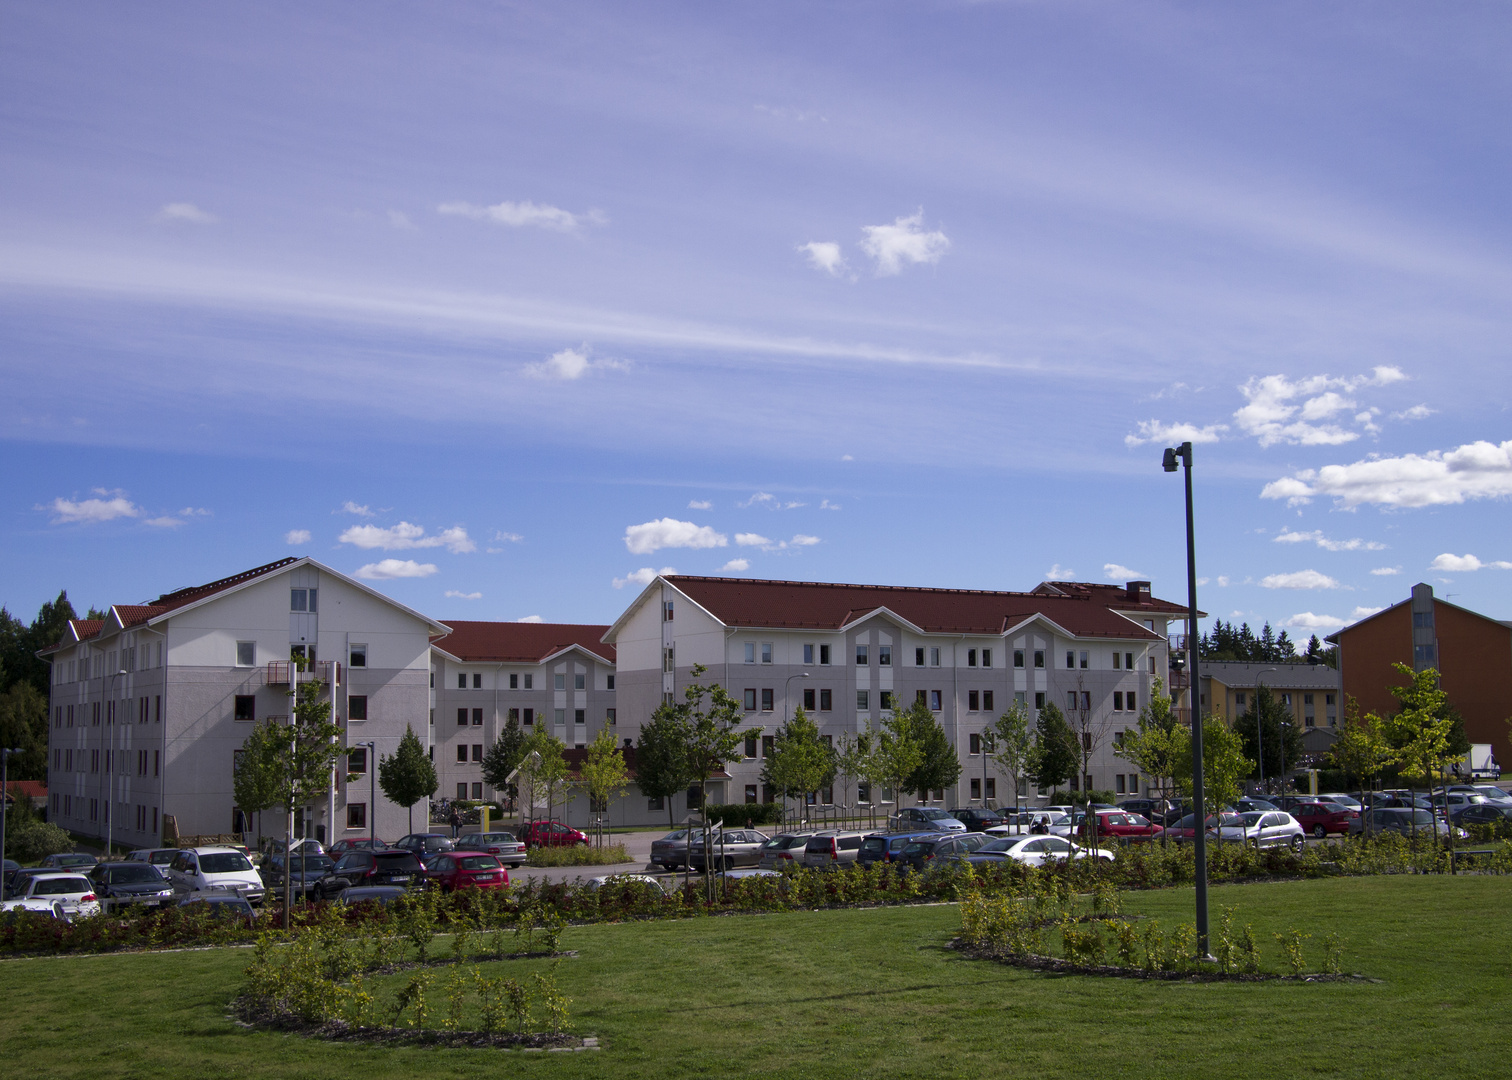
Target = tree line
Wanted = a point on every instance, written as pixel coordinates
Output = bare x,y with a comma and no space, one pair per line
24,682
1225,643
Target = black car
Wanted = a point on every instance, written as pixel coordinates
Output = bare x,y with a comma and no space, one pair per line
1483,814
363,868
977,819
119,884
306,871
926,851
426,843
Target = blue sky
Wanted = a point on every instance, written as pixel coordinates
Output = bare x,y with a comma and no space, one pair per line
505,306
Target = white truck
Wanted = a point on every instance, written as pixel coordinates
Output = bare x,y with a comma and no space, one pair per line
1480,763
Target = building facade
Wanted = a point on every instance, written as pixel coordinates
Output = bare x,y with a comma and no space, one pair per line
1312,694
846,653
149,706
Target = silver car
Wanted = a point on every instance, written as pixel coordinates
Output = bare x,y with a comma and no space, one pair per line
833,849
671,851
1262,829
730,848
784,849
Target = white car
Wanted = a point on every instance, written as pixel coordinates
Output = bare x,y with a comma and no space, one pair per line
1045,821
1349,802
72,893
1034,851
1261,829
623,879
201,868
914,818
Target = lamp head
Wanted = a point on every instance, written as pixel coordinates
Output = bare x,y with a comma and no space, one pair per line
1169,462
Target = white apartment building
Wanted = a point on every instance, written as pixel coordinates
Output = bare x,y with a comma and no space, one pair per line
150,705
847,652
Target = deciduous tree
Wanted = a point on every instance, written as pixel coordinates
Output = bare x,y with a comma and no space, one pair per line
408,774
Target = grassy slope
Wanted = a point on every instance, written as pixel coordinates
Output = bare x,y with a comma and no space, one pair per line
863,993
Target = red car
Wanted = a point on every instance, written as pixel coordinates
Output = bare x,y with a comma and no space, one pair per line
550,834
466,870
1321,819
1124,827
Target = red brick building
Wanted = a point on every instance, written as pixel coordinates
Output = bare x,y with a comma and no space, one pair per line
1472,653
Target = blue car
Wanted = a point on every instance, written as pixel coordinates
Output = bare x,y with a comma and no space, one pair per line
887,847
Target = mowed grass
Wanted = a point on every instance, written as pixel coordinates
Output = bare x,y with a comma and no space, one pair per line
870,993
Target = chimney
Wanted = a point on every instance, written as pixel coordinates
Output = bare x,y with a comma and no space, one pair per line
1138,592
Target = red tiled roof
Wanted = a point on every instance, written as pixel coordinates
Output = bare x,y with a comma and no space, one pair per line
170,601
1115,596
85,628
136,614
34,789
823,606
519,643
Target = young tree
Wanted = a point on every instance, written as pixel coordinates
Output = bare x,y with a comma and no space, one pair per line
1155,746
1360,750
1268,722
851,753
662,769
1091,728
1420,733
1056,754
1010,745
407,775
603,774
1223,764
898,753
23,724
800,761
544,767
254,771
939,767
502,758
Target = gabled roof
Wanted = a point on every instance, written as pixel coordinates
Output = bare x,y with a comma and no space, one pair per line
520,643
1333,638
1119,597
823,606
82,629
181,597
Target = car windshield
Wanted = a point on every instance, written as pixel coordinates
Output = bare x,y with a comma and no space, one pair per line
478,862
1005,844
680,834
1493,792
223,862
132,874
397,860
62,886
1250,818
315,864
163,858
498,838
934,815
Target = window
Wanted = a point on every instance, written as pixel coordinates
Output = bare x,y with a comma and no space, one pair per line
861,659
356,759
246,653
514,681
991,787
461,680
302,599
246,707
768,745
1117,698
824,654
559,680
921,697
560,717
357,707
156,761
975,743
1328,699
1070,658
141,763
580,681
971,657
1086,700
750,793
1070,701
1039,658
1286,700
766,652
810,697
609,717
808,653
1239,700
884,699
657,803
669,661
1118,784
357,815
918,658
1117,659
934,701
579,716
750,745
462,758
826,701
666,611
767,704
529,717
750,700
884,655
477,718
986,657
976,788
1129,660
1084,658
1018,658
861,704
934,657
1129,701
750,652
986,700
462,790
461,717
529,682
1422,620
1422,655
609,682
357,656
863,792
477,680
477,752
973,701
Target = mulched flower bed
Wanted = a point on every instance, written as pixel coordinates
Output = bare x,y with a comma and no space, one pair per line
1034,962
251,1015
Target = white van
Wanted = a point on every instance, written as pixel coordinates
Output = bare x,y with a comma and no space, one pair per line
197,869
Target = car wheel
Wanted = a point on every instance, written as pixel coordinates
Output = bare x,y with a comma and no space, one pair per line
1254,842
1298,843
727,864
1319,831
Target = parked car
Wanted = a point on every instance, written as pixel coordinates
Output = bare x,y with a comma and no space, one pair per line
220,904
121,884
309,844
1263,829
304,871
16,884
372,894
784,849
912,818
1486,813
551,834
1349,802
69,860
1154,809
397,867
977,819
670,852
888,847
1252,803
729,848
832,849
1033,851
341,847
1398,819
924,851
1184,830
73,893
425,843
1122,827
454,870
1495,794
503,845
634,881
160,856
1040,822
200,868
1321,818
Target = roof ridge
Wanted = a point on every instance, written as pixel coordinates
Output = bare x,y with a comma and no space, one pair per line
849,585
179,595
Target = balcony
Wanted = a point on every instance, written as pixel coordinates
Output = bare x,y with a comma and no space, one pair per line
327,671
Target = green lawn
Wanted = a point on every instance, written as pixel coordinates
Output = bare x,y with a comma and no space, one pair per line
870,993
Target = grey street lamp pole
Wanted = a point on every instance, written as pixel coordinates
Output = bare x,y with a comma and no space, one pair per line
372,766
1199,807
4,791
110,763
1259,738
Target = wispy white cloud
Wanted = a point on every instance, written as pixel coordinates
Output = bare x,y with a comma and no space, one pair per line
765,544
644,576
1313,623
1154,431
735,566
824,255
1464,564
184,213
388,569
404,536
700,504
1060,573
801,540
1417,412
167,521
350,507
507,538
567,365
1114,572
457,594
103,505
519,215
904,241
752,540
1316,537
400,220
825,504
1478,470
1303,411
1386,571
670,533
295,537
847,457
530,619
1300,579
